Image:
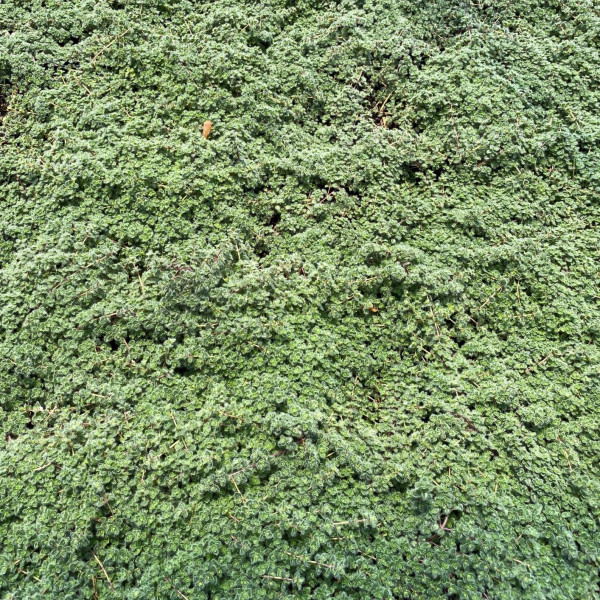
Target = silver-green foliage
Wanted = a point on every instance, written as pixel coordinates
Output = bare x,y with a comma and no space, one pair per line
345,347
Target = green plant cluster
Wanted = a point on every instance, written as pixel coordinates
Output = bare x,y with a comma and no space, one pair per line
347,346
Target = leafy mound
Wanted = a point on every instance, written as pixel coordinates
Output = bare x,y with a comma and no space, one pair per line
345,347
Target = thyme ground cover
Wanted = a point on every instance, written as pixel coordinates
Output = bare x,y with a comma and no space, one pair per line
346,346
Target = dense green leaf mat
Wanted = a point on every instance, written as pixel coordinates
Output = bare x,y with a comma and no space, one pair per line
347,346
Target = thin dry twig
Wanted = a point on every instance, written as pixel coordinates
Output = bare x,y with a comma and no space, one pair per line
437,327
238,489
469,424
312,562
111,43
490,297
42,467
103,570
180,594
